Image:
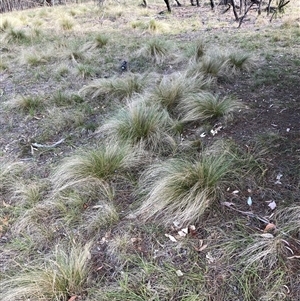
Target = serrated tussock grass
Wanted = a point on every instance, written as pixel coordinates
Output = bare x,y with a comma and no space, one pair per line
85,211
16,35
9,172
116,87
181,189
240,61
197,50
27,104
156,50
141,123
213,65
96,167
176,87
58,277
205,105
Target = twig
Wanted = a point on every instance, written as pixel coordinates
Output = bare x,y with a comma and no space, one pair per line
48,146
247,213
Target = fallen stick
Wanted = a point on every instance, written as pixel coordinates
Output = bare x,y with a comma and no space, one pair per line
48,146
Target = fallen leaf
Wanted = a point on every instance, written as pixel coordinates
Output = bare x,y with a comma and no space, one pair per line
73,298
235,191
4,221
278,177
135,239
249,201
228,204
272,205
267,235
209,257
5,204
179,273
176,225
269,227
192,230
202,248
181,233
172,238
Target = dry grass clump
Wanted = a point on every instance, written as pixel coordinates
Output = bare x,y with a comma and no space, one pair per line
181,189
66,23
156,50
58,277
61,119
175,88
140,123
205,106
99,167
197,50
213,65
9,172
116,87
27,104
241,61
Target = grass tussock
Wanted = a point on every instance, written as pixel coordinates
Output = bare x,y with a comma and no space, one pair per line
58,277
207,106
26,104
96,167
116,87
181,189
177,87
9,172
156,50
213,65
140,123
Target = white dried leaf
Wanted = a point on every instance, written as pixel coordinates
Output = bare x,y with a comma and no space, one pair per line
210,258
179,273
235,191
249,201
172,238
267,235
228,204
176,224
185,230
181,233
272,205
192,228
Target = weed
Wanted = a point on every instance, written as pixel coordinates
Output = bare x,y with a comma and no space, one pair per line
8,174
177,87
96,167
5,25
101,40
140,123
61,119
181,189
206,106
85,70
59,277
197,50
241,61
156,49
215,65
16,35
27,104
66,23
115,87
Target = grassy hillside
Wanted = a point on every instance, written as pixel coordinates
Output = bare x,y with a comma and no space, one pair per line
148,156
